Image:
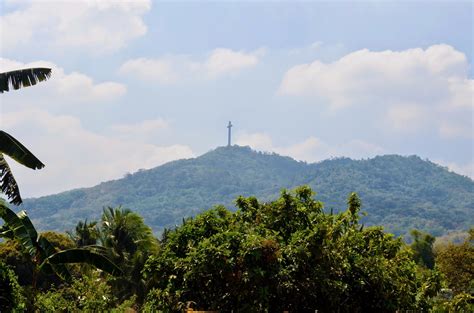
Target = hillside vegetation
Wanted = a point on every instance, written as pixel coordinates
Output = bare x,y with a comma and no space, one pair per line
400,193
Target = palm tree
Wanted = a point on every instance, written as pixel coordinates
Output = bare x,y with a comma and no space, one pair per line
8,144
124,233
85,234
129,242
44,255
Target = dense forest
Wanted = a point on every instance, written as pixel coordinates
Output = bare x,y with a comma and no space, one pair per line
400,193
287,254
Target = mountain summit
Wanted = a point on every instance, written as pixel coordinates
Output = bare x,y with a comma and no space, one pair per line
398,192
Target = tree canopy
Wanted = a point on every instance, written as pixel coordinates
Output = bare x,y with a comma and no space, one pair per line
287,254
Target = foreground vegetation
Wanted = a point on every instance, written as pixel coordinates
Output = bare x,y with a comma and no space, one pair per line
288,254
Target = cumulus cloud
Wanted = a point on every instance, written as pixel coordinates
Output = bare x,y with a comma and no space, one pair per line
160,70
76,157
311,149
71,87
410,86
223,61
173,68
94,26
140,131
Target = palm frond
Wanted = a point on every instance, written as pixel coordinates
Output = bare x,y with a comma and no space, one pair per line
18,152
8,184
23,78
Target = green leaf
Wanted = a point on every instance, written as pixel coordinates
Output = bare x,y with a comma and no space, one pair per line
23,78
28,225
21,231
8,183
14,149
87,256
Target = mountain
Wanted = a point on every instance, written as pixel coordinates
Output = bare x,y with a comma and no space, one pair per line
398,192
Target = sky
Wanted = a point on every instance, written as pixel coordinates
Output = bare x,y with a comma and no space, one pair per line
136,84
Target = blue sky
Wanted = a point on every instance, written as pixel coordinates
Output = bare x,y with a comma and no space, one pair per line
136,84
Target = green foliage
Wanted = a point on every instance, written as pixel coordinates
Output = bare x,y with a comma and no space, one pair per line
23,78
58,240
14,256
456,262
461,303
128,242
85,234
86,294
283,255
422,248
9,145
43,254
11,297
400,193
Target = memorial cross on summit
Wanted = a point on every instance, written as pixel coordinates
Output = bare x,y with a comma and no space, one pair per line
228,137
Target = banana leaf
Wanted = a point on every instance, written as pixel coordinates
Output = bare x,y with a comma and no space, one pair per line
80,255
14,149
8,184
23,78
21,231
18,152
47,250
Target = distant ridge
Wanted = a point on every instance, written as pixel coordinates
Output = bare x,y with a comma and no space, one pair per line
398,192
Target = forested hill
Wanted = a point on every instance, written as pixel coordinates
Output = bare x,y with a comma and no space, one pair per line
398,192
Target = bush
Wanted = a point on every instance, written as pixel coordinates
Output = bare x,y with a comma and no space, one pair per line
11,297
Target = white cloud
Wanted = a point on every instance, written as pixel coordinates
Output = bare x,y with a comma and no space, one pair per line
224,61
94,26
161,70
66,87
413,86
311,149
141,130
76,157
173,68
406,117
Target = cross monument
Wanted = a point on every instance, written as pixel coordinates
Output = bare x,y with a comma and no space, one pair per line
228,138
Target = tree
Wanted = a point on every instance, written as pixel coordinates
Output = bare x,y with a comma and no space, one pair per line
456,262
11,298
284,255
128,241
422,248
85,234
43,254
8,144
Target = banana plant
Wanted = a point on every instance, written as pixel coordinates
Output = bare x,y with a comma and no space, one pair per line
44,255
23,78
14,149
8,144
